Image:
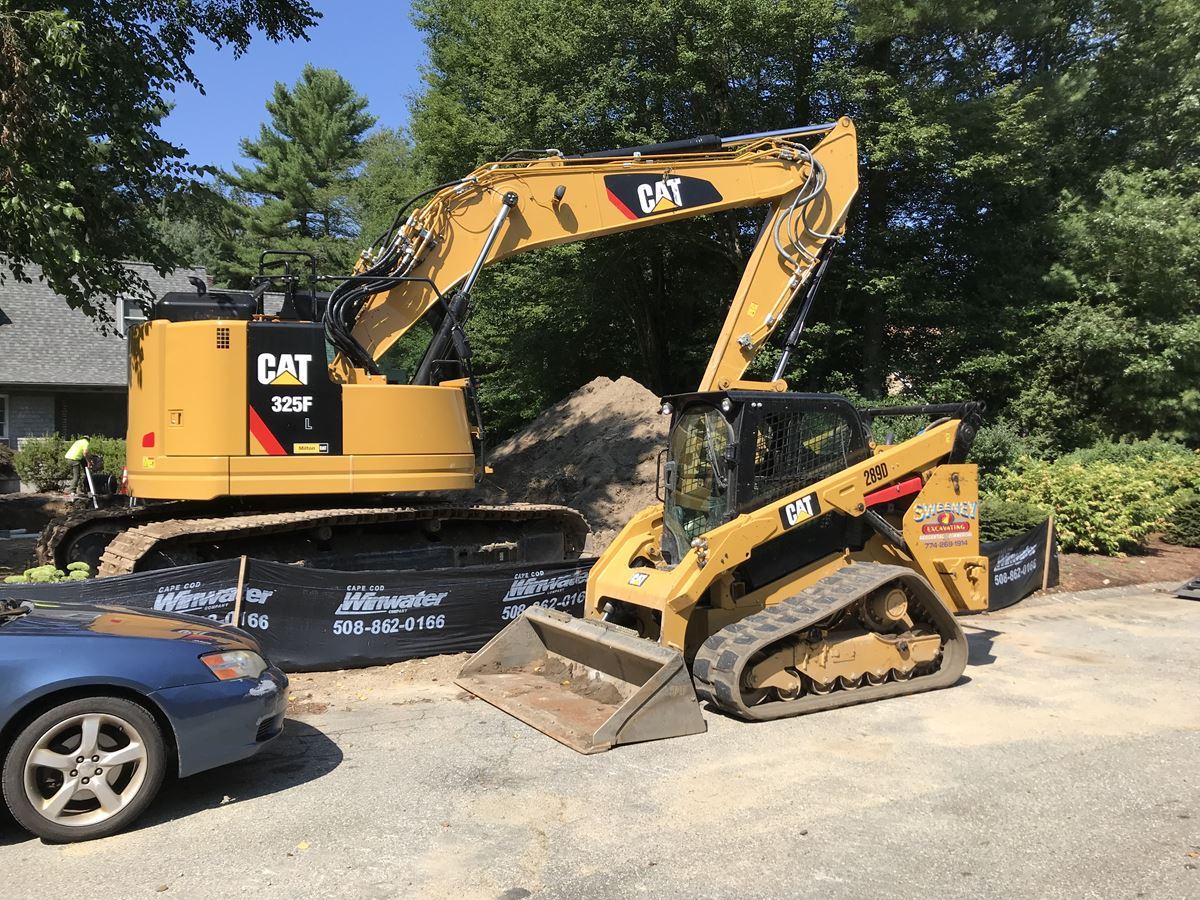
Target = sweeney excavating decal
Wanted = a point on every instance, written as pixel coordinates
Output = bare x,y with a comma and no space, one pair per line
945,525
652,193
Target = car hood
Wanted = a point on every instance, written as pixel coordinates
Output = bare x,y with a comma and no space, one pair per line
113,621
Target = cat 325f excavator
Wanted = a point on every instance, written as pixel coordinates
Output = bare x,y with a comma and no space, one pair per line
794,565
280,436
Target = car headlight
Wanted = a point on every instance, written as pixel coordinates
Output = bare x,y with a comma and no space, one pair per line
235,664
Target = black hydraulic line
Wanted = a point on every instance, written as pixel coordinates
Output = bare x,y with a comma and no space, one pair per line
459,309
793,338
702,144
885,529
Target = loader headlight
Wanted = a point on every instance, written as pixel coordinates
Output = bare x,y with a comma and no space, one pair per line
726,406
666,409
233,664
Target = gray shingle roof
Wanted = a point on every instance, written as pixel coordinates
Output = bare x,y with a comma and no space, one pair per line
45,342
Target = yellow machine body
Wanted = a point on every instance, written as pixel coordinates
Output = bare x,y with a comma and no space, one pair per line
192,435
205,423
792,568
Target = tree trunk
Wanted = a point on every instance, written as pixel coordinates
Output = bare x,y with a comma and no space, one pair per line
877,184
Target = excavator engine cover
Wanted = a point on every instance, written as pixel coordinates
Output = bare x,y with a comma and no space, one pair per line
586,683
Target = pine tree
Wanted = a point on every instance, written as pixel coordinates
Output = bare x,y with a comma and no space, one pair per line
296,195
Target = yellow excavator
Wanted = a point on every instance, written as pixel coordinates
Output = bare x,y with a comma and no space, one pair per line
281,436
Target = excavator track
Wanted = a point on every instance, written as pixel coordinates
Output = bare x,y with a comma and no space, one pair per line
124,553
719,666
121,540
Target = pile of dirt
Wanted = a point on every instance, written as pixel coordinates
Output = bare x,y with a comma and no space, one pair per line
596,451
31,512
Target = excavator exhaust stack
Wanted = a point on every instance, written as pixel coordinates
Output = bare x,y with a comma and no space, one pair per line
589,684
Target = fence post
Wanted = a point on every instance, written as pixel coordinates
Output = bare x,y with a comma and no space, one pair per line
237,598
1045,557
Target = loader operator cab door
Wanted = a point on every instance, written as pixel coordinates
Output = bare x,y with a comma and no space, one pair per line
733,452
697,477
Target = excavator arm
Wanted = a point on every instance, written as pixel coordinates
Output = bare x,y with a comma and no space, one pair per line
431,260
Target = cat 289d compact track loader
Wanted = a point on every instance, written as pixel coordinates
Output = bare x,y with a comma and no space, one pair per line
794,565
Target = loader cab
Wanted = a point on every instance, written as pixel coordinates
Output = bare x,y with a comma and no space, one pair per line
731,452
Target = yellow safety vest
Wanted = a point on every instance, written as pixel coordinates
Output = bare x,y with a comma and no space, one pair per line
77,450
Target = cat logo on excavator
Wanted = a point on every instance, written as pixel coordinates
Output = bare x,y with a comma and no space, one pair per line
652,193
284,369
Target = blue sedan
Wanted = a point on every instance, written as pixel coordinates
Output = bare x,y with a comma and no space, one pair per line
98,703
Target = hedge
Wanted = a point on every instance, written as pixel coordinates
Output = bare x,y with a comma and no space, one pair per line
1183,528
41,462
7,470
1102,506
1000,519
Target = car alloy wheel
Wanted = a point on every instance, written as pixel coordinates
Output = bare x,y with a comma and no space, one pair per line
84,769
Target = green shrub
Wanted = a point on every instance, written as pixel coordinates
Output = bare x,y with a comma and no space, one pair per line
1000,519
1129,452
40,463
999,444
1104,507
7,470
45,574
1183,527
113,451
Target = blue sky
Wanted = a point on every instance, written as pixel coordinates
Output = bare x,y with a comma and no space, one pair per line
372,43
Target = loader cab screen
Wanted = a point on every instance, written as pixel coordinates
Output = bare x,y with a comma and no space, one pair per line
697,478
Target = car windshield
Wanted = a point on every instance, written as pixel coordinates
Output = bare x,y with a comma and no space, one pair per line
697,478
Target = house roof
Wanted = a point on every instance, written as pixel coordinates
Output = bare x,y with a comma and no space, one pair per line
43,342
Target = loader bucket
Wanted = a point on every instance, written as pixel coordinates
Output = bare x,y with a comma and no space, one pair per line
586,683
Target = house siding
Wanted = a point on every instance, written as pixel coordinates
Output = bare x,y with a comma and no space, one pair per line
29,415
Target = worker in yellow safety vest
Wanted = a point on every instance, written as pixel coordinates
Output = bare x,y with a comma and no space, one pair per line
77,456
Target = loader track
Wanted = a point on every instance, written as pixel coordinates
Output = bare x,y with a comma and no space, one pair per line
718,668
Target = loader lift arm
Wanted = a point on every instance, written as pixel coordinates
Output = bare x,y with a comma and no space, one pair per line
430,261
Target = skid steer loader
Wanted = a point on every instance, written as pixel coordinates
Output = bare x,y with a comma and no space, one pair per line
794,566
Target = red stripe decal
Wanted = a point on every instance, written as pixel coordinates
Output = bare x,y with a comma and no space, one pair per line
621,206
263,435
894,491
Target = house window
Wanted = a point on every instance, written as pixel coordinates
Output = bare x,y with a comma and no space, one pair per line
131,314
3,417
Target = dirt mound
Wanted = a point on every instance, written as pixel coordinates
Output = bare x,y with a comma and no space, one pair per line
596,451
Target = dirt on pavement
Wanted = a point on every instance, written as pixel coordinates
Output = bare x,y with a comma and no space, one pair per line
596,451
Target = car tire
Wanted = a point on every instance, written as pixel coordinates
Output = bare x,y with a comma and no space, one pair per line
56,764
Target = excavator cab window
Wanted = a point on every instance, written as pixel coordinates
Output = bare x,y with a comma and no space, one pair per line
697,477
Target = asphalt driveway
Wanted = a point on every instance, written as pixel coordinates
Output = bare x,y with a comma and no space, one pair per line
1066,765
